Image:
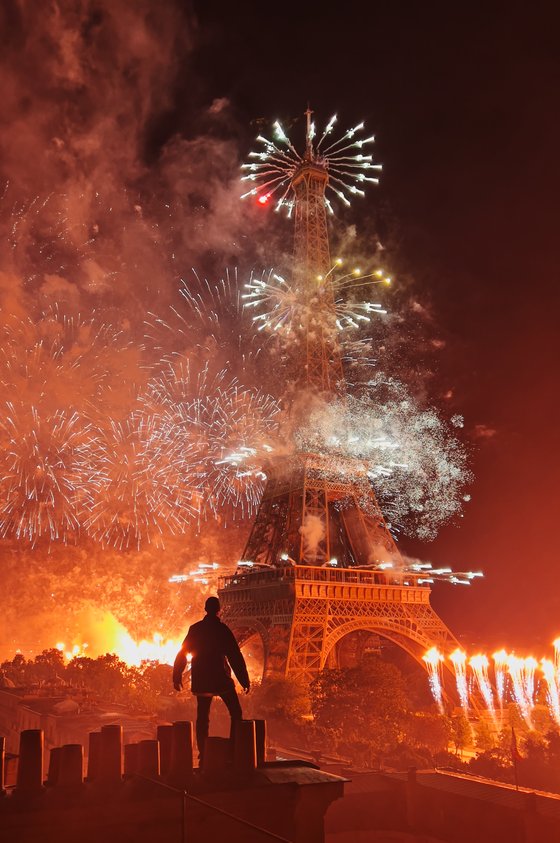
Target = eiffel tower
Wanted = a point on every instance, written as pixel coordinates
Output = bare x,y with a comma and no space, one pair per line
313,566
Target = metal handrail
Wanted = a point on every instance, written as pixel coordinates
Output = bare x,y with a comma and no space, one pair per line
186,795
351,576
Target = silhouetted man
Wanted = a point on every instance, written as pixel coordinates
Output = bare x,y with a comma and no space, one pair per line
214,649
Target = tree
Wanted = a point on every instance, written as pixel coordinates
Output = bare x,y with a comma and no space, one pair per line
515,718
280,699
461,733
364,703
426,729
492,764
484,736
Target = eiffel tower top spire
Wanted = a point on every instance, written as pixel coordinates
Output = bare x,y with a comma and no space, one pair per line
300,184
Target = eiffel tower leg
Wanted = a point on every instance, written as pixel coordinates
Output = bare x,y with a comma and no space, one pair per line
306,654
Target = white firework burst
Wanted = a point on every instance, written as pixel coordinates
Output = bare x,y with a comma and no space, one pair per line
281,307
274,166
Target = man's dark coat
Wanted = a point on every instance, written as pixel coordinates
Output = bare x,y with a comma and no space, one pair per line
213,648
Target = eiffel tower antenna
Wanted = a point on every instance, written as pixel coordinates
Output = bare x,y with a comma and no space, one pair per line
320,561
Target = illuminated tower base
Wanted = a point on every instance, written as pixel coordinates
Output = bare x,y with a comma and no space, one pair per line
302,586
301,613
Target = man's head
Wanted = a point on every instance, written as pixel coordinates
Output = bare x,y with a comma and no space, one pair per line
212,606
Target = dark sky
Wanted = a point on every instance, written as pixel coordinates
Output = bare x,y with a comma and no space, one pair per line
464,102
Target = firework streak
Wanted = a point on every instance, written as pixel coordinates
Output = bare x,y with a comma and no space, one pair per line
510,678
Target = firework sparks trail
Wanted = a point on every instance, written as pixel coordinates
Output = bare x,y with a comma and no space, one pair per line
212,319
556,645
123,481
42,484
61,361
479,665
522,681
517,672
417,468
221,432
459,660
273,167
530,665
286,309
42,236
140,492
60,372
500,671
550,674
433,659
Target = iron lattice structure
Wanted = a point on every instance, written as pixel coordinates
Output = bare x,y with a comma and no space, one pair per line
323,365
312,516
302,612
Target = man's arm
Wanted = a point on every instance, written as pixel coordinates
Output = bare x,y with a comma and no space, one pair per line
236,660
180,664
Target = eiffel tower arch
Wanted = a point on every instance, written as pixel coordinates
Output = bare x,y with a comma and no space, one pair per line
320,561
301,613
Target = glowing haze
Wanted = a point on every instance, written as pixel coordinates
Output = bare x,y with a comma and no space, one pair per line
139,402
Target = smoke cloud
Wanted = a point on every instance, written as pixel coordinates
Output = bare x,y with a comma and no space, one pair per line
102,212
313,532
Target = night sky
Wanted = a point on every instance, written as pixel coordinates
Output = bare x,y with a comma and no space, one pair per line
463,101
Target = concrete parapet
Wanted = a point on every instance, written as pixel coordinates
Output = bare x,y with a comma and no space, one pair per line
164,735
94,755
244,746
181,758
148,759
54,766
260,740
217,755
71,770
286,800
130,759
30,764
2,761
110,762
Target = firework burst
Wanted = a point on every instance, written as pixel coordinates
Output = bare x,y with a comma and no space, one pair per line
141,491
417,467
287,310
59,374
42,482
64,361
272,168
222,432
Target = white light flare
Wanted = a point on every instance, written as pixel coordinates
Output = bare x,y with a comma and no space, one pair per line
433,659
479,666
459,661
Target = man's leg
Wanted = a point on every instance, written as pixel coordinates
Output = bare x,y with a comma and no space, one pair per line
202,723
231,700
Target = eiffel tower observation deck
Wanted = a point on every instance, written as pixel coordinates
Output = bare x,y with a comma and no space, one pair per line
315,567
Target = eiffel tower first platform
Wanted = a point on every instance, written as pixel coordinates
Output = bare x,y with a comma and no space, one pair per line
320,562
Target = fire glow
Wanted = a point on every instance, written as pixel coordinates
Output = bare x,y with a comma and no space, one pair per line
133,653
